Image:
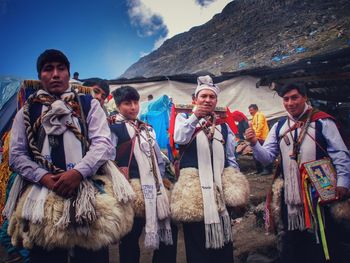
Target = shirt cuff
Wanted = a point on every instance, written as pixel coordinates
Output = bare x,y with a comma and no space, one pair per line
84,171
39,173
343,181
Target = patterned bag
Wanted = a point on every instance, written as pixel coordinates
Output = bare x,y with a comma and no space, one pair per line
323,177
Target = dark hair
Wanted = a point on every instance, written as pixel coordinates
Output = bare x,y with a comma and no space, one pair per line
254,106
98,82
125,93
51,55
300,87
150,96
76,73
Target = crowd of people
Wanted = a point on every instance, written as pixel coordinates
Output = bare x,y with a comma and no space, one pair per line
83,183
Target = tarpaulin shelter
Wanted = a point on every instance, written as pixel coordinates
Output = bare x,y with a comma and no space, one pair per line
156,113
236,93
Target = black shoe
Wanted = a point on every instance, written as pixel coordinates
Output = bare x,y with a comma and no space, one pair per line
258,172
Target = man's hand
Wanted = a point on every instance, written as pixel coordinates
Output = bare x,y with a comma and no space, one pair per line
341,192
201,111
67,183
47,181
250,135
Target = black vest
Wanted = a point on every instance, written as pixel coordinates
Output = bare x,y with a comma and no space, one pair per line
189,152
124,149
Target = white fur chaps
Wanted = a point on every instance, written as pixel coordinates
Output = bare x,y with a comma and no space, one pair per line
187,201
114,220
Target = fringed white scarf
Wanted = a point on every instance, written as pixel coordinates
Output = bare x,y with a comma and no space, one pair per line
157,206
216,218
13,197
292,181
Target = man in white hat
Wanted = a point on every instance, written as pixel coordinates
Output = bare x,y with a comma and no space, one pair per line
206,153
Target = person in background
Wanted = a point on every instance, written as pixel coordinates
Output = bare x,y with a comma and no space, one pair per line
261,128
100,89
150,97
76,76
242,120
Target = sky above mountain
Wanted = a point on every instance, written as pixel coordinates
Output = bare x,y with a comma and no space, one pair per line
101,38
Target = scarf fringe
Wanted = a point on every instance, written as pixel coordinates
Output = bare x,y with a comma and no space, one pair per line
65,219
13,197
165,236
85,203
163,208
121,187
227,228
214,237
151,240
38,213
33,208
296,219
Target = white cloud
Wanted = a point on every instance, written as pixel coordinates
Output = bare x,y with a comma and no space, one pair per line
171,17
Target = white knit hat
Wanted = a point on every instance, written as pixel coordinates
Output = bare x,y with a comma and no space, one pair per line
206,82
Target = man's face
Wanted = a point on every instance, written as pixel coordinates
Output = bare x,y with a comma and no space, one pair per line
294,102
99,94
54,77
129,109
252,111
206,98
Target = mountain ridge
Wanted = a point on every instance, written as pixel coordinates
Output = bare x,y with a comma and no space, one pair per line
249,34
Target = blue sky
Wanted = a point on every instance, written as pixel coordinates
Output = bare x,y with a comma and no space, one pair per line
101,38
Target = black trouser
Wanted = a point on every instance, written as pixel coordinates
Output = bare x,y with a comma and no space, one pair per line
129,249
194,234
301,246
78,255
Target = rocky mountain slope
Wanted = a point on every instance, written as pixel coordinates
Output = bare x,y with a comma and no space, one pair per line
249,34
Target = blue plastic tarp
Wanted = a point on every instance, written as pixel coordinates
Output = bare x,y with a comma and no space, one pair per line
8,97
156,113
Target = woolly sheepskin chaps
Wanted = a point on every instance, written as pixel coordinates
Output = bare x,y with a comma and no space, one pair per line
114,220
187,201
340,211
277,188
139,203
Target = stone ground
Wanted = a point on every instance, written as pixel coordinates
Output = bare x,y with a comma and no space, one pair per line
251,243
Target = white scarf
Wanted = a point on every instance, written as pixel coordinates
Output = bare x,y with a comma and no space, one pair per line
157,207
292,177
54,123
217,224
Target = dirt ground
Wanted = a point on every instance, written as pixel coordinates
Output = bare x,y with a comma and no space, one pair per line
249,236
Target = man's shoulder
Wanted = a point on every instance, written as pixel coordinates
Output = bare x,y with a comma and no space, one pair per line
321,115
